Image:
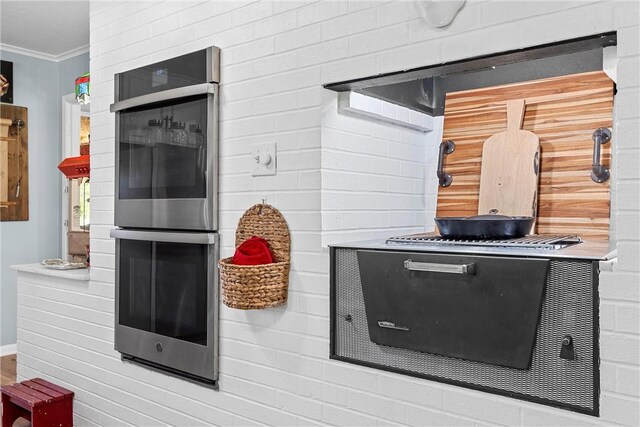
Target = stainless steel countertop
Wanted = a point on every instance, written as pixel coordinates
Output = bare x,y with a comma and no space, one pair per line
594,250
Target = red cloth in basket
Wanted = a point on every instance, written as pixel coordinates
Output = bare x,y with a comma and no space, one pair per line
254,251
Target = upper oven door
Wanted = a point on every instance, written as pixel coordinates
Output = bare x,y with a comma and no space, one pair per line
166,159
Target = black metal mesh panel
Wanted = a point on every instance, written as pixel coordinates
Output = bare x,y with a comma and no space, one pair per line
567,309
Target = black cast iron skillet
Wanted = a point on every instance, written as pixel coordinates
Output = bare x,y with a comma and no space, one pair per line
484,227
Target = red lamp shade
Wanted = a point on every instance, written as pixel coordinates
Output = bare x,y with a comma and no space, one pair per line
76,167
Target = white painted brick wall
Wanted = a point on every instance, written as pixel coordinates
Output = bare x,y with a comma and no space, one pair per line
274,364
374,175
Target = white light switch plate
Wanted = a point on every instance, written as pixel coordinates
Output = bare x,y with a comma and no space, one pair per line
263,159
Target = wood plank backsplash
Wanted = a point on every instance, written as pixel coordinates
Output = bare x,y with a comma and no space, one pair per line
563,112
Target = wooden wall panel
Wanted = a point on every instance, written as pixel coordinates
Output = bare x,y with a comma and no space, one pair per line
563,112
16,208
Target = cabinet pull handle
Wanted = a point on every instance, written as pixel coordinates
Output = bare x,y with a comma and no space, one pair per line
446,147
599,173
464,269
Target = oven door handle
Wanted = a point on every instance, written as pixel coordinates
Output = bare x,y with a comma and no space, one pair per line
464,269
165,236
166,95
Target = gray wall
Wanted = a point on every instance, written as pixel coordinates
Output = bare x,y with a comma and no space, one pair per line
38,85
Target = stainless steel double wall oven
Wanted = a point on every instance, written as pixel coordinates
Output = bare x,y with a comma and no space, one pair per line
166,211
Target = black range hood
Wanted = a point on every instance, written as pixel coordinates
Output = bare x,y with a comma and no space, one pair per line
424,89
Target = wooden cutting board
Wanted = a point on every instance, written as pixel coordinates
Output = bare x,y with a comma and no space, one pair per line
510,168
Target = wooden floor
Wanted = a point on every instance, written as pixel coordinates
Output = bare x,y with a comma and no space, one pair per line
8,376
8,369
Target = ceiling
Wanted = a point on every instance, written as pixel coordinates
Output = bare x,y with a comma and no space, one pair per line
52,30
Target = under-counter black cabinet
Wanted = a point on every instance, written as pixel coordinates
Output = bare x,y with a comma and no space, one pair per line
525,327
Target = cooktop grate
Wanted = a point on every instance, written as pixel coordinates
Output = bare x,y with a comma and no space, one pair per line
554,241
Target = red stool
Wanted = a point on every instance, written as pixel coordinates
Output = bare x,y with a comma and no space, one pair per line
39,401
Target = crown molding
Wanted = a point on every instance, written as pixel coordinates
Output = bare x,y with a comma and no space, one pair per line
73,52
46,56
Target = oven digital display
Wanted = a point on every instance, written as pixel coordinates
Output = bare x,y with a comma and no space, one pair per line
160,77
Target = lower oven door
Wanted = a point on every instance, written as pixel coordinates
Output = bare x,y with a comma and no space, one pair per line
478,308
167,300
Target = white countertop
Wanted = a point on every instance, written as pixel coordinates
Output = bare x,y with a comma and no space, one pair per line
80,274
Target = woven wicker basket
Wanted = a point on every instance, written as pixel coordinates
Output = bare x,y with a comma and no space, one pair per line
250,287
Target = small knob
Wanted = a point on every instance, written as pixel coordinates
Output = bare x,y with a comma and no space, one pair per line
263,159
159,347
